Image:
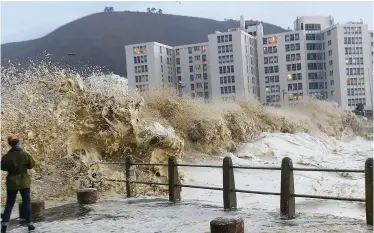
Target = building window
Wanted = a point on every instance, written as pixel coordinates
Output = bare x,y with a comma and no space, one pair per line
287,38
297,36
264,41
218,39
190,59
196,48
178,61
266,60
292,37
191,68
204,57
205,76
230,38
192,87
189,50
197,58
329,42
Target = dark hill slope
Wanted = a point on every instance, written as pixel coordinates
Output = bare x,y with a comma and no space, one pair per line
99,39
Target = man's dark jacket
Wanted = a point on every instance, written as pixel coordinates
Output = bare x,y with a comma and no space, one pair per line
16,162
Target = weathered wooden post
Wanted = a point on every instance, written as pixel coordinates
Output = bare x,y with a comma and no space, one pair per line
287,200
229,196
369,190
227,225
87,196
174,189
37,210
130,187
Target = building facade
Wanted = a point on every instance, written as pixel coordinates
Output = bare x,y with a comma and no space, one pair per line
192,70
318,58
233,70
349,64
150,64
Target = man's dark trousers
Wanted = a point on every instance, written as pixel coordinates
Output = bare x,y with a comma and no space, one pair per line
11,199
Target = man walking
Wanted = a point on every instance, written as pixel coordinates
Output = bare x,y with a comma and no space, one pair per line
16,162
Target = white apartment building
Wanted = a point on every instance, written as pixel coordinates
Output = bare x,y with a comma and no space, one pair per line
349,64
332,61
150,64
282,68
233,65
193,69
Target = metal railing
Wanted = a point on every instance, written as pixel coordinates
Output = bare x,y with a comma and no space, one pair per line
287,193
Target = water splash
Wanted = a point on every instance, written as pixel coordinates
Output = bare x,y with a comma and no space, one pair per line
69,123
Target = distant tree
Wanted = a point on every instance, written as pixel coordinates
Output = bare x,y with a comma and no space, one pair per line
159,11
153,10
149,10
109,9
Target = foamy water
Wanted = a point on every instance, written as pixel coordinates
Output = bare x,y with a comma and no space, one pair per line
261,213
70,123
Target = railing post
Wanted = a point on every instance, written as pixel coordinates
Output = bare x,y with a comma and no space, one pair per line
369,190
287,200
174,189
130,187
229,196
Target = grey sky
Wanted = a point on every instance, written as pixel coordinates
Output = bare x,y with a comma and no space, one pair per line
30,20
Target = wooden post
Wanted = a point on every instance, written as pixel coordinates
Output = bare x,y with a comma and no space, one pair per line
369,190
87,196
37,210
229,196
174,189
227,225
130,187
287,200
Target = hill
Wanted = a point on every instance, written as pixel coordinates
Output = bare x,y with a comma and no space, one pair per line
99,39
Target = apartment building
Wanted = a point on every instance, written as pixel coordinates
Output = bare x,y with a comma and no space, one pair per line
193,69
282,68
150,64
349,64
234,70
318,58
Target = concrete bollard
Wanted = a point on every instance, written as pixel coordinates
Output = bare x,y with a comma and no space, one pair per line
227,225
87,196
37,210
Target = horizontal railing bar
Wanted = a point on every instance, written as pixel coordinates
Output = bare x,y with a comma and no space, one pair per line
255,192
115,180
199,187
256,168
150,164
151,183
329,198
328,170
111,162
137,182
194,165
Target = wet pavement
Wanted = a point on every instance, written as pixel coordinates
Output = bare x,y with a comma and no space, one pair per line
158,215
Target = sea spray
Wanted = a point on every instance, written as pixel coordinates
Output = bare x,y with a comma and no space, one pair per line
69,123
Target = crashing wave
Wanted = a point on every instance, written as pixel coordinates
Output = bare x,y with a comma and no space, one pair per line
70,123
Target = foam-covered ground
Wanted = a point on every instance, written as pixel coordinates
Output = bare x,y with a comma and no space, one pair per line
261,213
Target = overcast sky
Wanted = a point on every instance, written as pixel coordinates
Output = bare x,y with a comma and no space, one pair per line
30,20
